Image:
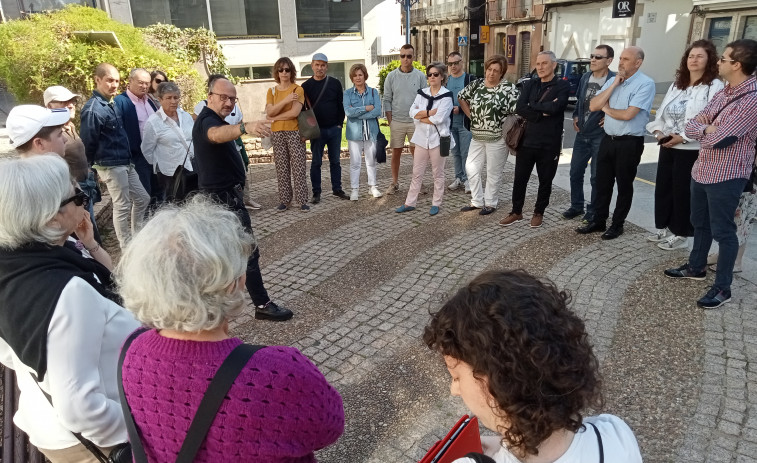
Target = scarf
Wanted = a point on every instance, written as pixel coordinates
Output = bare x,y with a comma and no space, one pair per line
430,100
32,278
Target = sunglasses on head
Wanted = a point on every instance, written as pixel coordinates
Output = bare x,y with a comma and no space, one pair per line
433,74
410,55
79,198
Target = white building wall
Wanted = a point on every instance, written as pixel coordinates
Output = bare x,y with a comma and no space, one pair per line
660,28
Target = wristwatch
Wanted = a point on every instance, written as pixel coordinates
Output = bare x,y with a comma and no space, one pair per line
242,128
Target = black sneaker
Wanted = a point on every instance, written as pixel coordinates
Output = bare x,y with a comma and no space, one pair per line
487,210
591,227
684,271
316,198
469,208
571,213
613,232
282,207
304,208
341,194
714,298
271,311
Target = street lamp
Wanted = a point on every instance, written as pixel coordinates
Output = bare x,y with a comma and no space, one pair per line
406,4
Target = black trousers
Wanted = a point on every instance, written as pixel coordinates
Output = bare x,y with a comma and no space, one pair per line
233,199
546,168
672,194
617,161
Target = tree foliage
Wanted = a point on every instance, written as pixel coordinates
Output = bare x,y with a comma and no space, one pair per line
394,64
42,51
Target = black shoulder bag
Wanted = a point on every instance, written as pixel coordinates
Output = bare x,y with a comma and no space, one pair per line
381,141
211,402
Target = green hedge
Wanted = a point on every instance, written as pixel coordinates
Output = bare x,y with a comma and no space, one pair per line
42,51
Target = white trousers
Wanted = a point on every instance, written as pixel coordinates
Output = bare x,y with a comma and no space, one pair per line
494,155
357,148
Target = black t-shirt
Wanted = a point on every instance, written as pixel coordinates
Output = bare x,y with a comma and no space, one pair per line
330,110
219,166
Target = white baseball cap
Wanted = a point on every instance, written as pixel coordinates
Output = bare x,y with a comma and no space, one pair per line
25,121
58,93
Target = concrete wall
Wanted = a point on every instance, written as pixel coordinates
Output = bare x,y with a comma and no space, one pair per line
575,30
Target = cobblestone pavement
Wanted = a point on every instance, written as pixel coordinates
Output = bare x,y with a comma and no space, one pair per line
362,279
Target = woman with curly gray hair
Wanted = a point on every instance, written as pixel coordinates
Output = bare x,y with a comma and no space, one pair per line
521,361
183,275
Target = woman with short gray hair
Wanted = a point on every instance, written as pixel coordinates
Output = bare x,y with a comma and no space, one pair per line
60,325
183,275
167,141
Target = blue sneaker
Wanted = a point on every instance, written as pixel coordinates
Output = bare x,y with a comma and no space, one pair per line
684,271
434,210
714,298
404,208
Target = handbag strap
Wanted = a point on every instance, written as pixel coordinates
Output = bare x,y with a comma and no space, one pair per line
599,442
323,90
211,402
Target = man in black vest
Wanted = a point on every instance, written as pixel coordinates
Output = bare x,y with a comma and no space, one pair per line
325,94
221,174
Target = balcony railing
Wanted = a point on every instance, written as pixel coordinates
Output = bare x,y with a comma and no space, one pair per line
448,11
512,9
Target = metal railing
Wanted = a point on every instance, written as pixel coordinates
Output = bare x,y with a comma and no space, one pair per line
512,9
447,11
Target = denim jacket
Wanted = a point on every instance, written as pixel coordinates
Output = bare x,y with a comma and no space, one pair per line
354,107
102,131
591,127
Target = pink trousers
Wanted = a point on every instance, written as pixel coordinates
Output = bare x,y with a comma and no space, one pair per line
420,161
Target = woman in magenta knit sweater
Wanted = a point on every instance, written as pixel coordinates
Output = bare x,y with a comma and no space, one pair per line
184,276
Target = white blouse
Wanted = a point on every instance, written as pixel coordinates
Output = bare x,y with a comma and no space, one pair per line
426,136
165,143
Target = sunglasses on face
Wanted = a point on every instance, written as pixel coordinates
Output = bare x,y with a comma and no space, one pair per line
453,63
79,198
285,70
159,81
723,60
406,56
597,57
225,98
433,74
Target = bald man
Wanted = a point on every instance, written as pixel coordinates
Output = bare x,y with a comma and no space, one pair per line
107,148
626,100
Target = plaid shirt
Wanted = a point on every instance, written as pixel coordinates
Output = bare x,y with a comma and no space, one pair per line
738,120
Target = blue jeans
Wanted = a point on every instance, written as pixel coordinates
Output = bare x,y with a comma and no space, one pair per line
713,207
331,137
584,149
462,143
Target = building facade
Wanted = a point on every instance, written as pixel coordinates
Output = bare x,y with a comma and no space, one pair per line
516,30
724,21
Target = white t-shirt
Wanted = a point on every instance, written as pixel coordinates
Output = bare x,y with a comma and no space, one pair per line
618,442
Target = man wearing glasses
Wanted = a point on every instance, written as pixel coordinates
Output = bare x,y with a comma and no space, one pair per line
726,130
626,100
456,81
589,132
221,175
106,145
400,88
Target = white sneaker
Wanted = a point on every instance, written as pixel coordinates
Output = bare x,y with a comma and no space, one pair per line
467,187
455,185
661,235
375,192
355,194
673,242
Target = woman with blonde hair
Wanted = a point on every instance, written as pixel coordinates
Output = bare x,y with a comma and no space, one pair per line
283,104
183,276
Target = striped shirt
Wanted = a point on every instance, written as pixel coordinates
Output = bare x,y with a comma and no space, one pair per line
738,120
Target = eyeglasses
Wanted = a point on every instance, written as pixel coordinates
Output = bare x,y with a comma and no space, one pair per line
433,74
79,198
597,57
406,56
225,98
453,63
285,70
723,60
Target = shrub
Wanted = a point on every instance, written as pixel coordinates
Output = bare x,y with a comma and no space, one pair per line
394,64
42,51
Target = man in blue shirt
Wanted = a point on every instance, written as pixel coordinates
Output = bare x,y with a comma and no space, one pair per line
589,133
456,81
626,100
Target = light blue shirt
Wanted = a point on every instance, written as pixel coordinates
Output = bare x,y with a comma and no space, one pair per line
638,91
454,85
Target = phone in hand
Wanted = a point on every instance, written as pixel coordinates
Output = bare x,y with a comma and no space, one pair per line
664,140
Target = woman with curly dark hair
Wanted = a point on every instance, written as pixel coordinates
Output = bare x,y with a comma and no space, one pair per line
522,363
695,85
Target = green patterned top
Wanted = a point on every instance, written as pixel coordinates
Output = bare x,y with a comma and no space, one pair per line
489,107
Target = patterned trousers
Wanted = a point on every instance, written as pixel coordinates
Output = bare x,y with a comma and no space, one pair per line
290,160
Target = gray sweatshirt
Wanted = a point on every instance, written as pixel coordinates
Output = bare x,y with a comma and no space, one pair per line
400,89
